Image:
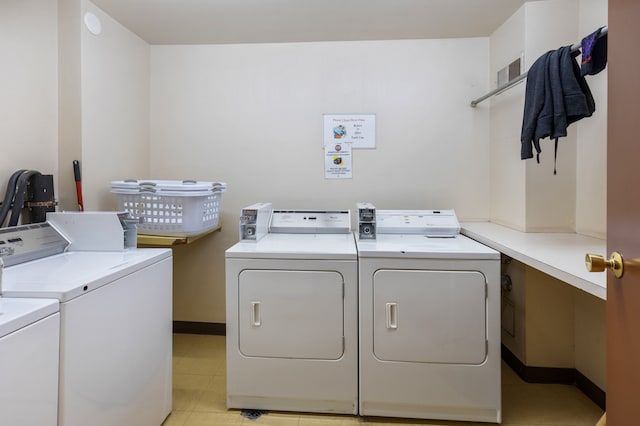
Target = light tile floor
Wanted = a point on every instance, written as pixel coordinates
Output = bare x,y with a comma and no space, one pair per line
199,397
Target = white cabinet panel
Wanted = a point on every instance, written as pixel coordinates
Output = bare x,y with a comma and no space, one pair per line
29,374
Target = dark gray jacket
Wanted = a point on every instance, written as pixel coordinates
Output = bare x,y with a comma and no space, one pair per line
556,95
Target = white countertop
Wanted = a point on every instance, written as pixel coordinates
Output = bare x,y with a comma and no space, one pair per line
560,255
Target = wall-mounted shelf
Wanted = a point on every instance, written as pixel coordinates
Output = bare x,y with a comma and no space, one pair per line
145,240
560,254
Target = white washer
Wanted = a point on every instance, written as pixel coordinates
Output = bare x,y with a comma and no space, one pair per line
115,325
292,315
29,339
429,320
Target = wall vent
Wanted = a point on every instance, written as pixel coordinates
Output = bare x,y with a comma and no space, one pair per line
511,71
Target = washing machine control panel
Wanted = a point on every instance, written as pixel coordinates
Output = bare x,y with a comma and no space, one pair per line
20,244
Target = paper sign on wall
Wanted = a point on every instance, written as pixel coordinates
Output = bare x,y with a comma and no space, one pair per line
357,129
337,161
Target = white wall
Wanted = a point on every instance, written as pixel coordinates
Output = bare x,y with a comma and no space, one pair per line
69,100
526,195
507,170
251,115
67,94
115,109
591,173
550,199
590,338
28,87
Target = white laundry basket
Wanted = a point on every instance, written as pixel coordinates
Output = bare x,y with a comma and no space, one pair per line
171,207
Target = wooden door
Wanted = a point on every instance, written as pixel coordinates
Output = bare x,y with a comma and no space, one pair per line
623,213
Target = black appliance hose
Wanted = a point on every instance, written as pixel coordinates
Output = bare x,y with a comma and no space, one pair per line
18,200
8,197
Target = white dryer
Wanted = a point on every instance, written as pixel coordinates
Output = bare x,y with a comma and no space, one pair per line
429,310
291,300
115,355
29,339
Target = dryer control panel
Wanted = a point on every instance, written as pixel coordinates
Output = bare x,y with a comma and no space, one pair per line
311,221
431,223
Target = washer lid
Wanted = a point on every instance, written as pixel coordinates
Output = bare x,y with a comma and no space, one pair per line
297,246
422,247
18,313
69,275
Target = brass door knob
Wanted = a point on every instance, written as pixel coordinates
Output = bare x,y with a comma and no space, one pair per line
597,263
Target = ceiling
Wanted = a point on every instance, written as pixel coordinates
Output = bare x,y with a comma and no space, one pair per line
274,21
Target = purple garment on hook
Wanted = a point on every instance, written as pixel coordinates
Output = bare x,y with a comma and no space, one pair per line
594,53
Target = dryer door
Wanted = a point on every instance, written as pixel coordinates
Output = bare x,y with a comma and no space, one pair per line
291,314
429,316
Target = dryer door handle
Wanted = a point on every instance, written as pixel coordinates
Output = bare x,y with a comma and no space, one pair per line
392,315
256,317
